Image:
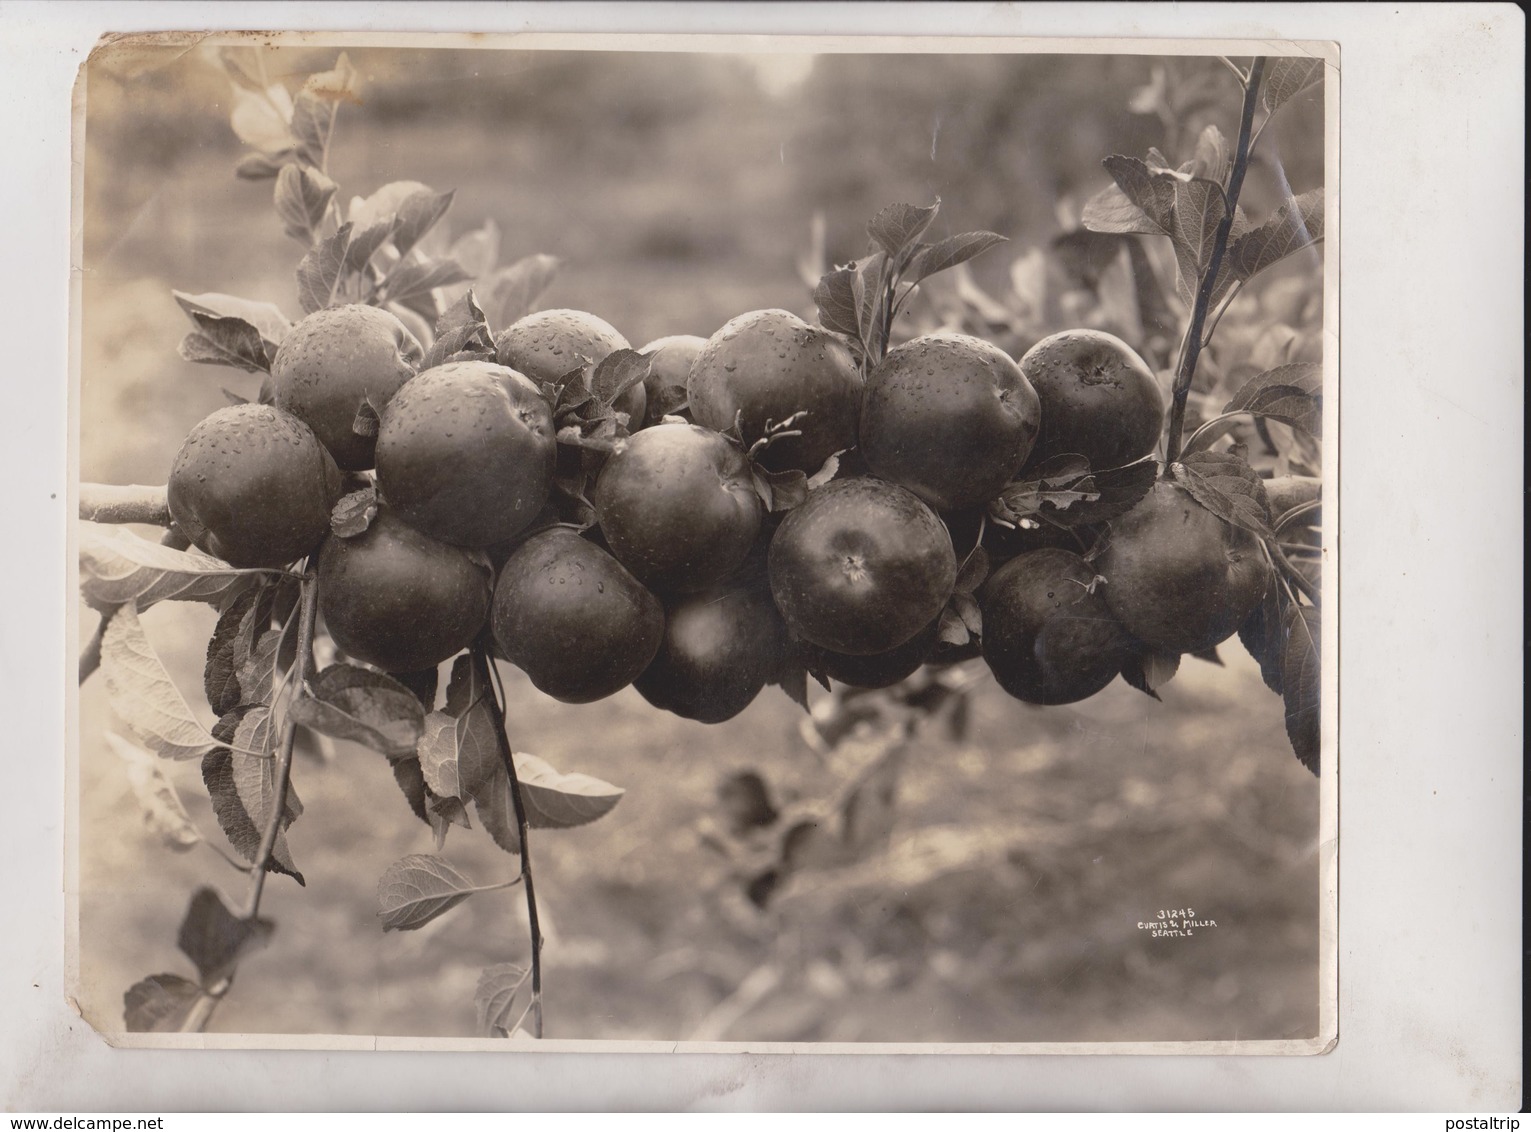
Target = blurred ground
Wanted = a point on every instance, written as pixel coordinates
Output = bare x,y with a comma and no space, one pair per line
678,191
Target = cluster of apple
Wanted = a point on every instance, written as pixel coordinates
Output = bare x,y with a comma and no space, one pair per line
688,585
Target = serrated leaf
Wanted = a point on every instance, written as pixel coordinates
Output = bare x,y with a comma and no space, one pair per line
322,269
496,811
1212,157
267,318
226,342
465,319
835,297
437,753
896,227
415,890
302,197
231,644
163,812
494,998
780,491
966,608
1151,194
214,939
311,122
365,241
118,566
1067,494
1226,485
365,707
555,800
1291,393
949,252
477,735
793,680
159,1004
618,372
354,513
1288,76
143,695
512,292
243,835
1297,224
411,779
1150,671
418,214
867,290
412,280
952,629
974,571
1261,634
1109,211
1300,683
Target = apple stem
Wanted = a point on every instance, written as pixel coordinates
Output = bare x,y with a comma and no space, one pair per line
488,675
1190,350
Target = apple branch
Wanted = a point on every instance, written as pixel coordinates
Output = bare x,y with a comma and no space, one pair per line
202,1010
124,503
486,674
1190,351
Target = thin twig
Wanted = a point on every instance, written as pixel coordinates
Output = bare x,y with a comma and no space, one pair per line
485,668
1191,349
1238,71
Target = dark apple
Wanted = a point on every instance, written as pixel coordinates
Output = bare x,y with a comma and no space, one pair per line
466,452
1178,577
861,566
548,345
1048,635
950,417
573,619
334,362
253,485
720,648
397,598
1099,399
767,366
678,507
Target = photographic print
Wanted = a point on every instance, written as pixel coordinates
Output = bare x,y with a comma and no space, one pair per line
705,543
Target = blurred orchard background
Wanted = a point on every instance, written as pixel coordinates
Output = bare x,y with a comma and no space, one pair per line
679,190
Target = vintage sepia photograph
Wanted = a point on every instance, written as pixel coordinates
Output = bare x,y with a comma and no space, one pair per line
695,543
